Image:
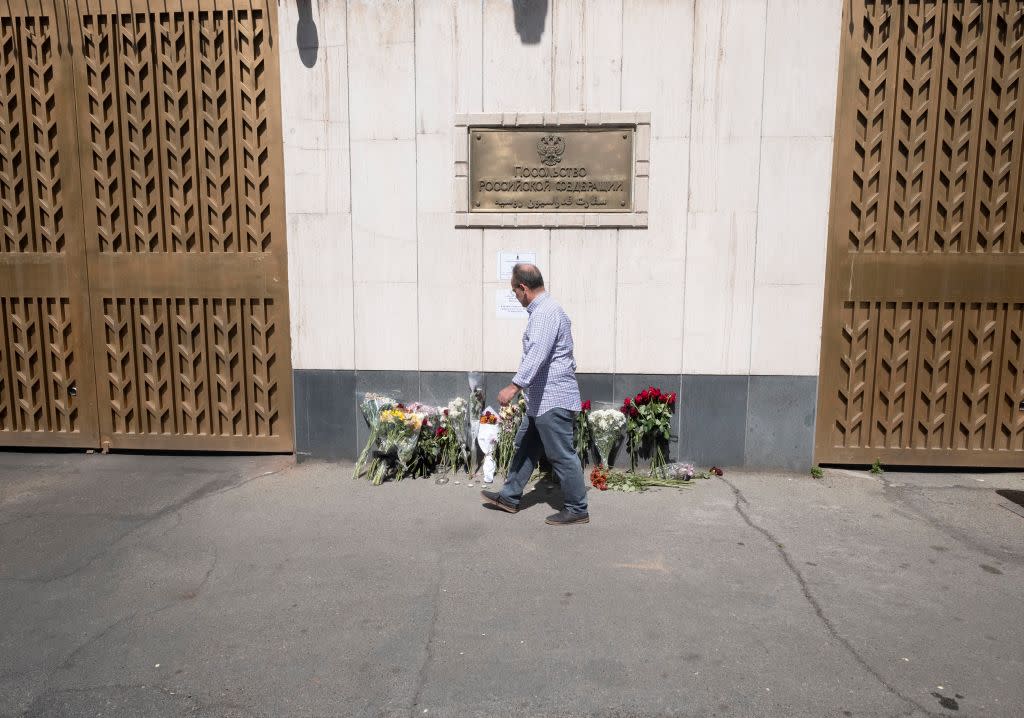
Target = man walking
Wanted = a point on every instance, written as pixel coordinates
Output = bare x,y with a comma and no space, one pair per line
547,374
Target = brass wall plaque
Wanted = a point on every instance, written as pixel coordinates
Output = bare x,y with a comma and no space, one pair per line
582,169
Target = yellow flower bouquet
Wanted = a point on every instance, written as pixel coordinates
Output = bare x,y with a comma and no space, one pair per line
397,435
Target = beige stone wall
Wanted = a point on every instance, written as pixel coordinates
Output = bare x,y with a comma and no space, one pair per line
727,278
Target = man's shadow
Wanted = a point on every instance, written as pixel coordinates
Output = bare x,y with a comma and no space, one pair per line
546,489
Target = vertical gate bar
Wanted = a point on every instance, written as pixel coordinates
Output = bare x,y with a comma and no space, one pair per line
917,319
5,320
231,31
49,367
245,325
938,90
1011,418
26,134
4,411
984,103
913,126
176,389
1007,128
202,306
999,376
117,68
156,82
177,206
959,132
88,370
1016,236
34,305
895,14
138,379
212,376
961,311
194,32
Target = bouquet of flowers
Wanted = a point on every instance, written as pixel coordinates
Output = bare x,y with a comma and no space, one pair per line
606,429
451,437
371,406
477,396
487,439
509,421
427,454
648,426
604,479
581,436
397,436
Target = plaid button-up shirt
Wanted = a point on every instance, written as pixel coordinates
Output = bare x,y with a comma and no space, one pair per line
547,371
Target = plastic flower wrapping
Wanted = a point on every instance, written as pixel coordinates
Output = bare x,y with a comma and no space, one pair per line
606,428
452,436
372,405
397,435
487,440
510,419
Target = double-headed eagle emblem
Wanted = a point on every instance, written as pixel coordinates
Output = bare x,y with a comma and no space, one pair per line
550,149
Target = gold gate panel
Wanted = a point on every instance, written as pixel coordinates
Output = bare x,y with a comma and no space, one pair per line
47,395
181,221
922,355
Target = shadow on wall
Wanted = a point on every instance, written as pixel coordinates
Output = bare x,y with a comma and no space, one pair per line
530,16
305,34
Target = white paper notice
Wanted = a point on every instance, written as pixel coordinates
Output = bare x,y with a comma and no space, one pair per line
507,260
507,306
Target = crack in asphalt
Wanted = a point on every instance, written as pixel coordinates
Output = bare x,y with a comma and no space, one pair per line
78,650
428,658
215,487
818,610
69,661
194,593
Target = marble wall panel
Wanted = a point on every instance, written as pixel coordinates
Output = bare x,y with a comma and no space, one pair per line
384,210
382,78
319,286
386,325
657,59
801,67
583,269
718,293
786,342
792,225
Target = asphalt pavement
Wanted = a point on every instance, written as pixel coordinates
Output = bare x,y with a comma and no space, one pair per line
243,586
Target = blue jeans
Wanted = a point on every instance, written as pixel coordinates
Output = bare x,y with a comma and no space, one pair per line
549,434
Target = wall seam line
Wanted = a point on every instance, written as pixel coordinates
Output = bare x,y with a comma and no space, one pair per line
757,212
416,190
351,205
483,232
689,179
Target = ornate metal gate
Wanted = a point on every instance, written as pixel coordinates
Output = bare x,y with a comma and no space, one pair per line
923,334
148,310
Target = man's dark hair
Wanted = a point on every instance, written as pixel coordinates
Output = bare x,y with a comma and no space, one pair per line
527,274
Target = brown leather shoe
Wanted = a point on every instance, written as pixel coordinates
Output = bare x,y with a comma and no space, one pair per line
493,498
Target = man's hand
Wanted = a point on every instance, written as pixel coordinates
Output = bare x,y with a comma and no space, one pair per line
507,394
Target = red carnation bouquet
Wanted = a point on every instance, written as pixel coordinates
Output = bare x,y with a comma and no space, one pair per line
649,426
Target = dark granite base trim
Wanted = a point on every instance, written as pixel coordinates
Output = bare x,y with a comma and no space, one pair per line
764,422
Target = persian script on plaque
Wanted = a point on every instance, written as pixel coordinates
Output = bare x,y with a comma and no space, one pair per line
586,169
